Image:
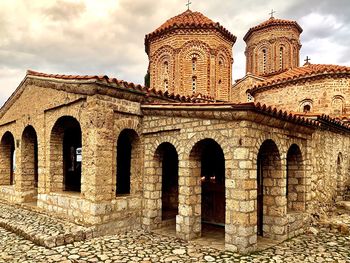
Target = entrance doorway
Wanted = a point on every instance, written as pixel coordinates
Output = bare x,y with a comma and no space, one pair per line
270,190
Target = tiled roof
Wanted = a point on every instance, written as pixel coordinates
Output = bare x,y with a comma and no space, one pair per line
272,22
127,85
257,107
295,74
188,20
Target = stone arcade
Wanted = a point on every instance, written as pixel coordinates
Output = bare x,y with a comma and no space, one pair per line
119,156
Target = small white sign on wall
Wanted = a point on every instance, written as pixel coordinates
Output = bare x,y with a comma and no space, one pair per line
79,156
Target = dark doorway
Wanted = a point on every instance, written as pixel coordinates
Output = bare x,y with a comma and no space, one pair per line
29,158
125,144
7,159
170,177
71,158
269,188
213,182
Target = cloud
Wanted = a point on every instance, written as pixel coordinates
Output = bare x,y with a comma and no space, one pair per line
107,37
63,10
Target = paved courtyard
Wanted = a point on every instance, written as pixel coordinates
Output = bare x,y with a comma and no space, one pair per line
138,246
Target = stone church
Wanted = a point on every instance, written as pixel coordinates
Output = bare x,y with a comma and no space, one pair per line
255,158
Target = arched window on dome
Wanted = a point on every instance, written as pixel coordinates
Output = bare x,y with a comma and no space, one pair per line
194,84
194,64
166,85
166,67
305,106
281,58
264,60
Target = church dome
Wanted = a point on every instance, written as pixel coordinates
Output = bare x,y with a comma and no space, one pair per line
271,22
188,20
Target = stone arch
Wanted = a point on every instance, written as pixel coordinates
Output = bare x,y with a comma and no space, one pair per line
207,174
271,194
306,105
296,183
223,73
132,125
29,161
338,102
66,155
7,159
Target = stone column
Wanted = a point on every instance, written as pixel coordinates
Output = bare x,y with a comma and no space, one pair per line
188,221
241,194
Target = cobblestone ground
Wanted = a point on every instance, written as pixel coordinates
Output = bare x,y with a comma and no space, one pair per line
138,246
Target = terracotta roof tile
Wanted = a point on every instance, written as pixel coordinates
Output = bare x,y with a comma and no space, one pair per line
188,20
127,85
272,22
298,73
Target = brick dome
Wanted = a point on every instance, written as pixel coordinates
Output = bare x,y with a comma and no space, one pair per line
188,20
270,23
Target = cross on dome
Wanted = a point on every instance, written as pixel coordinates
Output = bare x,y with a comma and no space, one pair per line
272,12
188,4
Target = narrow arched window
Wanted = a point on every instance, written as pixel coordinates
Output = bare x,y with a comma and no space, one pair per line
194,84
166,85
194,64
307,108
281,58
264,60
166,67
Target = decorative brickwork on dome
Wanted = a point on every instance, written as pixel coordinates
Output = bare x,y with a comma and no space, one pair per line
191,54
272,47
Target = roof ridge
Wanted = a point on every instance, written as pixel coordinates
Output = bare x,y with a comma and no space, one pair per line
300,72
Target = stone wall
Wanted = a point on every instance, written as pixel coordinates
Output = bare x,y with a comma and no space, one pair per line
330,96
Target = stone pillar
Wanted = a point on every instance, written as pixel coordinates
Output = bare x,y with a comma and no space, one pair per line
188,221
97,153
152,191
241,194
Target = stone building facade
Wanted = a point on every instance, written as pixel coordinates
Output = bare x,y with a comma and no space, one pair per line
119,156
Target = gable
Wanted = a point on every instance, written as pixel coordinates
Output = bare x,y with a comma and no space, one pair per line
33,100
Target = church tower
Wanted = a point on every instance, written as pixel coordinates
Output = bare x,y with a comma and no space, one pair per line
272,47
190,54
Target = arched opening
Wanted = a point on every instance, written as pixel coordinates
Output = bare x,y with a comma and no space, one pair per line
194,64
271,203
307,108
29,160
7,159
66,155
126,156
168,161
295,190
208,162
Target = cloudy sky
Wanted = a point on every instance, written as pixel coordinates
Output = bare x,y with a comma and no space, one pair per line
106,37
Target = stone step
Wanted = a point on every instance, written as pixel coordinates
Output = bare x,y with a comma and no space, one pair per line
41,229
